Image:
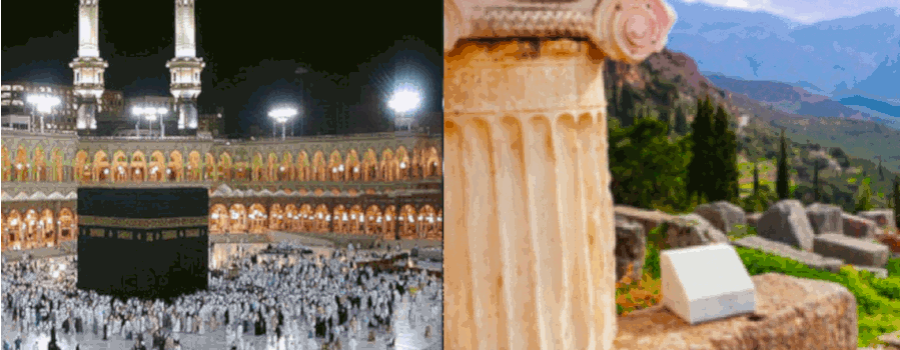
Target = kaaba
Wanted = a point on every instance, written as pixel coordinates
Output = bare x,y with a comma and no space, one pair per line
143,242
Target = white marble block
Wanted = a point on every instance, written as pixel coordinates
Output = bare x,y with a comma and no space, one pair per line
706,283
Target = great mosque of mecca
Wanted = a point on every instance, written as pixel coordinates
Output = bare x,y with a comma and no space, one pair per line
387,185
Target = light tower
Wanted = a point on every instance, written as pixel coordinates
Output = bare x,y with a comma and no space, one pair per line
185,67
88,66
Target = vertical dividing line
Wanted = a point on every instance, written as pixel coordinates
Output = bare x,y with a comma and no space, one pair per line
516,251
601,222
486,277
589,202
565,168
544,228
458,298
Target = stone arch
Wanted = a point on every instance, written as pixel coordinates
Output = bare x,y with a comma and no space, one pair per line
374,220
68,228
175,168
138,170
432,163
307,218
340,220
304,172
439,227
218,219
101,167
242,171
211,170
321,218
370,166
157,164
427,222
388,165
259,171
276,217
48,228
31,234
82,166
7,165
319,166
404,165
408,222
120,168
257,217
194,167
56,165
39,159
390,221
357,219
271,167
14,228
292,218
335,166
238,216
353,165
225,167
4,244
22,165
286,169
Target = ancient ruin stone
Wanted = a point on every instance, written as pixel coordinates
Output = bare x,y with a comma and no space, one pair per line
791,314
883,217
857,226
692,230
786,222
650,219
852,250
812,260
825,218
631,247
722,215
753,219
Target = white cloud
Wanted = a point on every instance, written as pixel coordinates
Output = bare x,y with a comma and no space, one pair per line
806,11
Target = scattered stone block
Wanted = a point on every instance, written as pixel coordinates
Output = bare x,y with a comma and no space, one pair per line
791,313
692,230
891,241
883,217
852,250
857,226
650,219
786,222
892,339
753,219
877,271
825,218
812,260
631,247
722,215
699,291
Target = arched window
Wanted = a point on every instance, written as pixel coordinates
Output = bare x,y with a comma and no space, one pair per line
196,76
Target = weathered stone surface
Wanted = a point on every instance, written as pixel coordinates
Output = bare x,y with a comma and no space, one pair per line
825,218
792,313
698,291
891,241
892,339
722,215
786,222
882,217
650,219
631,247
753,219
852,250
877,271
812,260
857,226
692,230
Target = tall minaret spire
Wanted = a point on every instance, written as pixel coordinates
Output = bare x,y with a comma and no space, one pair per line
88,66
186,66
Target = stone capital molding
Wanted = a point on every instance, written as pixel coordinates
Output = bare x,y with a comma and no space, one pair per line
625,30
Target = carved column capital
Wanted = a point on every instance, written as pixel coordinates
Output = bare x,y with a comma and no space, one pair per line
626,30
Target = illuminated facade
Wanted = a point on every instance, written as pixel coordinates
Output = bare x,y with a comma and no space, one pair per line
17,113
388,185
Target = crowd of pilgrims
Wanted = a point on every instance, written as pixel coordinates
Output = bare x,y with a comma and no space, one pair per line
306,303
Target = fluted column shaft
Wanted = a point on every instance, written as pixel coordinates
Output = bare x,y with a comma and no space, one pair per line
530,229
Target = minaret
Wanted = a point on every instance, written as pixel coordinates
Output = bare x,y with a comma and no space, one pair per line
185,67
88,66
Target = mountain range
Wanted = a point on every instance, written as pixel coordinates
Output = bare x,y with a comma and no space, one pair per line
852,62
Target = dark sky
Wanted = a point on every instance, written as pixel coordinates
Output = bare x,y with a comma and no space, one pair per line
355,53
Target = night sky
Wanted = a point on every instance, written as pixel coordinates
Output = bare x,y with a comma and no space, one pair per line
354,55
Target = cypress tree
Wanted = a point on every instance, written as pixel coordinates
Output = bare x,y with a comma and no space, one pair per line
681,124
699,176
781,182
755,178
864,196
897,201
816,179
880,170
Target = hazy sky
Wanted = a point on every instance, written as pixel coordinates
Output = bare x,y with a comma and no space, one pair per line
806,11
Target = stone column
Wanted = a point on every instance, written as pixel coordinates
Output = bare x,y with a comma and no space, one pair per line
530,219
